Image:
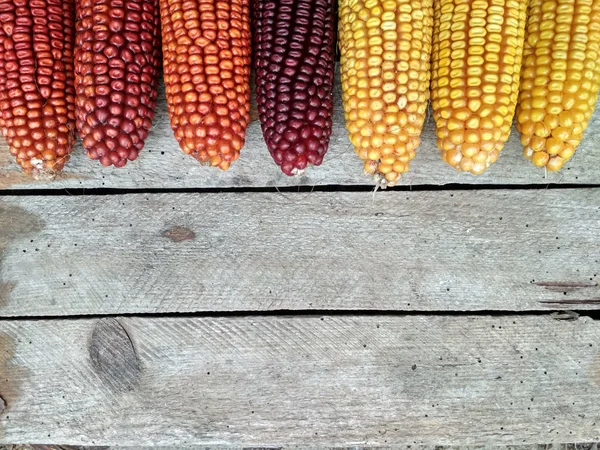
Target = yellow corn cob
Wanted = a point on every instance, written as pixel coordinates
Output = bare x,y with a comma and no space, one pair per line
560,79
477,53
385,60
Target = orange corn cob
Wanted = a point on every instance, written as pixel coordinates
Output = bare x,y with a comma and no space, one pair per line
206,58
37,107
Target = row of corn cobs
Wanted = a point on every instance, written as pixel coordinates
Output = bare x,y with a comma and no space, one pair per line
94,65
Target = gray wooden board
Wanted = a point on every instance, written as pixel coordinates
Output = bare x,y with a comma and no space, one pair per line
330,380
491,446
163,165
550,446
411,251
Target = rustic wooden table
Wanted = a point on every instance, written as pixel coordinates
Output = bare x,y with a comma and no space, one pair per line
172,304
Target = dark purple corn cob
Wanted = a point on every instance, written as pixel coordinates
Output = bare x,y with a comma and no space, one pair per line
294,62
117,62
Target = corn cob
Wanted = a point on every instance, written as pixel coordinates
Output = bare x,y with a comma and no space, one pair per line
206,63
117,57
385,48
294,60
560,78
36,82
477,53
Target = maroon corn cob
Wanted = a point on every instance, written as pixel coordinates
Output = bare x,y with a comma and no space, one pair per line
117,58
36,82
294,61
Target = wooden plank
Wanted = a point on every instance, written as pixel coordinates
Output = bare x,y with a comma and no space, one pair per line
551,446
404,251
331,380
163,165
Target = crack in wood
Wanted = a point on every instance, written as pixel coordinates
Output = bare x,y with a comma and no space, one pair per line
564,286
572,301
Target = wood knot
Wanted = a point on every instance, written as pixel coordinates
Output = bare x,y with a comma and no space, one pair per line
113,356
179,234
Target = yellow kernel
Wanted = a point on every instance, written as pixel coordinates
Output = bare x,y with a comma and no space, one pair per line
554,146
466,164
384,168
565,118
471,136
540,159
380,128
377,104
469,150
567,151
478,168
555,163
366,130
457,137
539,102
474,104
472,123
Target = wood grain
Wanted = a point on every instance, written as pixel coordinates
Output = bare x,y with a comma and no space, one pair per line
511,250
550,446
163,165
322,381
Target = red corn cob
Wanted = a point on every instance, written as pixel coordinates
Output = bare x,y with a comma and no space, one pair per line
294,60
36,82
117,58
206,59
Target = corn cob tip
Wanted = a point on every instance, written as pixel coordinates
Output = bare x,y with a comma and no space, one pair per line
41,172
294,148
297,172
381,182
294,151
385,178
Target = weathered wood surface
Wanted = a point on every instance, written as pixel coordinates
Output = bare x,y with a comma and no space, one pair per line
409,251
163,165
578,446
554,446
330,380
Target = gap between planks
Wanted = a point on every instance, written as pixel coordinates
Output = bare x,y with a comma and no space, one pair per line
290,189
